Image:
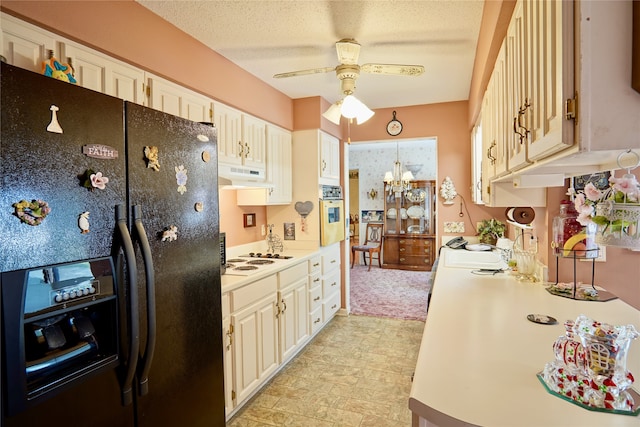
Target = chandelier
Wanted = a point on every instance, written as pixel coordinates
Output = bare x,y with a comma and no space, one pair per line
397,181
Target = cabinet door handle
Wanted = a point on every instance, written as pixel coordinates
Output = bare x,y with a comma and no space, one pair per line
317,264
333,306
490,156
518,127
402,249
402,260
230,337
333,261
316,279
241,152
317,298
324,165
317,320
334,284
277,310
248,150
285,306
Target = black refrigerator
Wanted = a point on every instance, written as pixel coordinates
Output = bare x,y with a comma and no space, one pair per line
109,261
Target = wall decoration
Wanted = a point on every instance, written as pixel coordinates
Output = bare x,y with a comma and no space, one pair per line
32,213
151,153
289,231
181,179
83,222
453,227
54,126
372,216
249,220
303,209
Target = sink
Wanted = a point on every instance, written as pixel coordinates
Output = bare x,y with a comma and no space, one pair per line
461,258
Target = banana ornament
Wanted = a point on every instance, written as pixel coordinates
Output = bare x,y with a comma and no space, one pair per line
572,241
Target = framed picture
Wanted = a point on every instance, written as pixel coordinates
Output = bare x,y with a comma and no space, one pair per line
372,216
249,220
599,179
289,231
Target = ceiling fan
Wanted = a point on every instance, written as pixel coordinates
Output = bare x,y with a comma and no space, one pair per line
348,71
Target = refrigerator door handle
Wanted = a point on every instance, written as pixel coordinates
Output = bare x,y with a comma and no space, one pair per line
134,332
147,357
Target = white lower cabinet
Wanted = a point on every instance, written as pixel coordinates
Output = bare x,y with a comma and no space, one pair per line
293,309
255,337
267,322
330,281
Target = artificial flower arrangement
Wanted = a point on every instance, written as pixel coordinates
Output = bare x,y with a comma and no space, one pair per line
615,210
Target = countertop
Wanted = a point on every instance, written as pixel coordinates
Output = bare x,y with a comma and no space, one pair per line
479,354
231,282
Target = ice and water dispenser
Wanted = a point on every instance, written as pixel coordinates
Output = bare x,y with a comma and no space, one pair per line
60,324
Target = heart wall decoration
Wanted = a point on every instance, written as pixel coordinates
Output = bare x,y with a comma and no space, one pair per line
303,209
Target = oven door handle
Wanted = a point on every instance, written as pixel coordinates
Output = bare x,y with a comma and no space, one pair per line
147,355
134,324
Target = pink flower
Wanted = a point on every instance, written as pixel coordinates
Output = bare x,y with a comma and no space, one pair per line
628,185
592,192
99,181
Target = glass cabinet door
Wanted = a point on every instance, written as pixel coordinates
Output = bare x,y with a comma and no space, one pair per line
412,211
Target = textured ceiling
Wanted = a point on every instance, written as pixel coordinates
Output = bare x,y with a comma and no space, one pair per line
270,37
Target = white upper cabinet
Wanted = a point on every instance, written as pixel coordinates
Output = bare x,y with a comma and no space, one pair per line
241,138
329,159
229,123
179,101
24,45
103,74
549,82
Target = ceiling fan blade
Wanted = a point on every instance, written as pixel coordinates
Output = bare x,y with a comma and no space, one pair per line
348,51
394,69
304,72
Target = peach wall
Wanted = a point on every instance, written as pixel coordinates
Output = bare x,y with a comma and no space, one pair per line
130,32
232,219
448,123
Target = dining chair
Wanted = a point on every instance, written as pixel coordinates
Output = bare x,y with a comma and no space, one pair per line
372,244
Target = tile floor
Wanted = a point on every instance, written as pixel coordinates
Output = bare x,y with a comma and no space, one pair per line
355,372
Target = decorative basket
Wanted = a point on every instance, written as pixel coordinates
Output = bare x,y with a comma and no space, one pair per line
623,228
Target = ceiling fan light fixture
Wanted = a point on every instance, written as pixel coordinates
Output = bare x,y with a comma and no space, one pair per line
333,113
353,108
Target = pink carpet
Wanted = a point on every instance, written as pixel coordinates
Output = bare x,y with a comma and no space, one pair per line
397,294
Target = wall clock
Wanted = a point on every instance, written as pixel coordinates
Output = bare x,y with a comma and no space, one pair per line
394,127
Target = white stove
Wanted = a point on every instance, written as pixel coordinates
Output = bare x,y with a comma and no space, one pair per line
252,263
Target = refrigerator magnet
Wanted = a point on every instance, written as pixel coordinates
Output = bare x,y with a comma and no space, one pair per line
32,213
199,207
181,179
151,154
83,222
170,234
54,126
206,157
92,180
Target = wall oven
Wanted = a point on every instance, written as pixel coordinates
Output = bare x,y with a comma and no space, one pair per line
332,215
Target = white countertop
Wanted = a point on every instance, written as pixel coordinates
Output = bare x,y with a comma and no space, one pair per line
479,354
231,282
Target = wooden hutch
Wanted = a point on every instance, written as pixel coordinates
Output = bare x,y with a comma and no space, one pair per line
410,228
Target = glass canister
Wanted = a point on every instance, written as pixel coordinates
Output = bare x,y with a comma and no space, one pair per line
570,238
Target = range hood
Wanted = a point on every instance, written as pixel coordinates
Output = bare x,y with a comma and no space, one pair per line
232,176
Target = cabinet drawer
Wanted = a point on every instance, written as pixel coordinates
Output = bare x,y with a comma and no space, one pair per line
418,261
315,280
331,259
315,264
315,319
292,275
253,292
315,298
331,284
330,307
415,250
